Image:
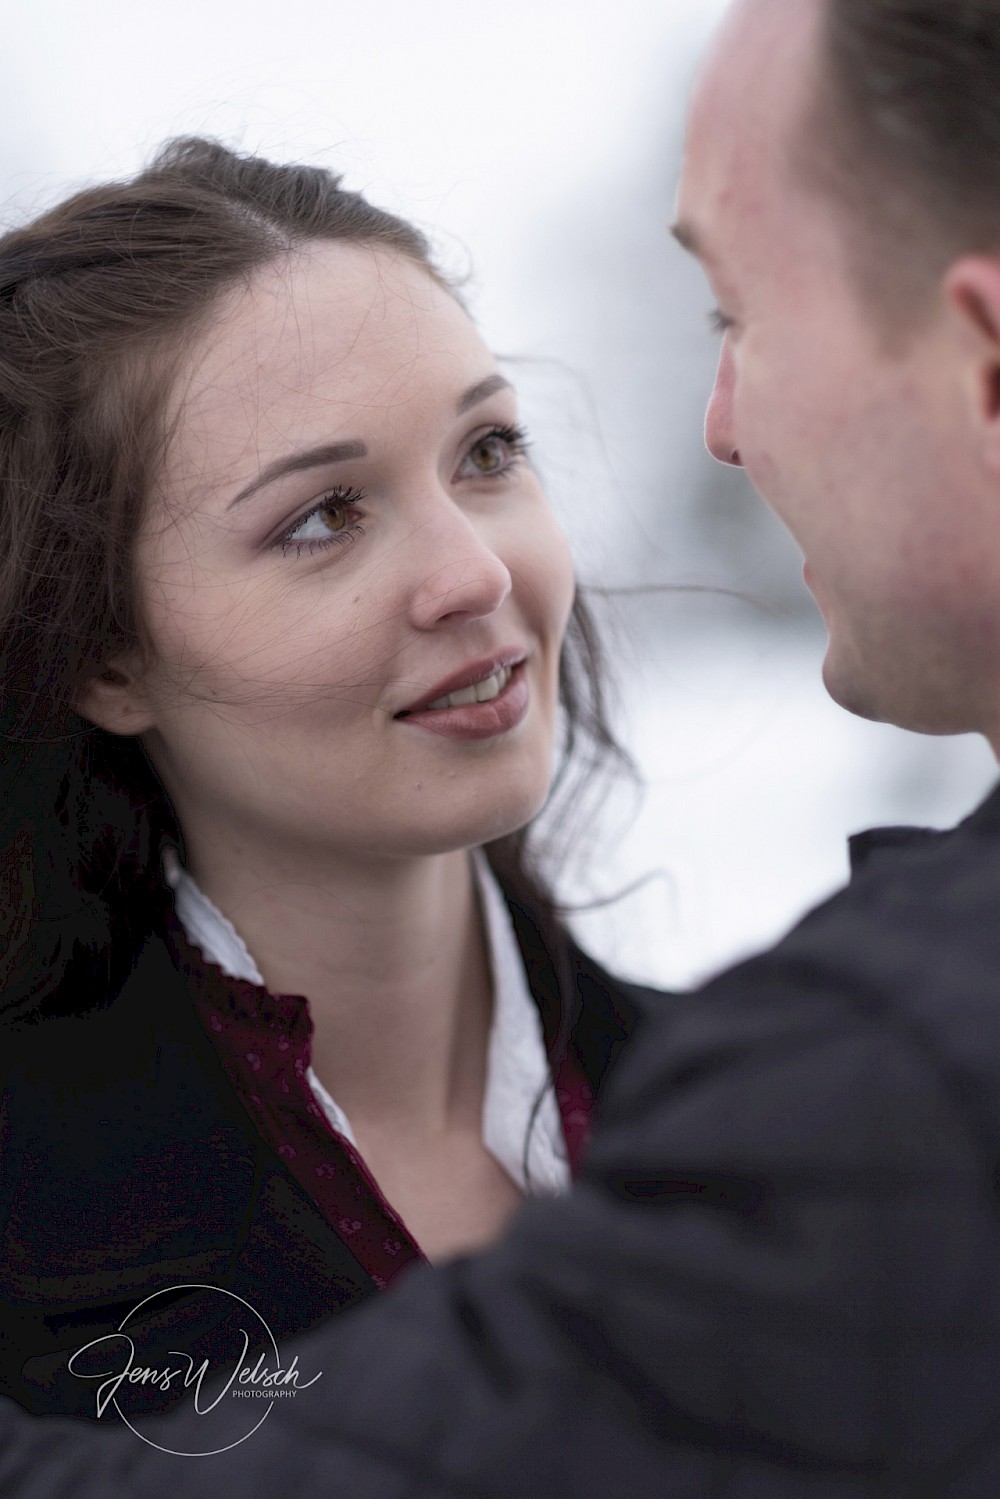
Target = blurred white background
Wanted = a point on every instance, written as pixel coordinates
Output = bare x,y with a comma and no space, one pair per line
538,142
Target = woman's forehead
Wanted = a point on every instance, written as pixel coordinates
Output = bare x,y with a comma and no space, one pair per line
325,313
332,341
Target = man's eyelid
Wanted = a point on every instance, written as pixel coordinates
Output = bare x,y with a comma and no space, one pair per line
721,286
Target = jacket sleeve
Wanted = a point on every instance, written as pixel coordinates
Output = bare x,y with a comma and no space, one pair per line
778,1270
775,1279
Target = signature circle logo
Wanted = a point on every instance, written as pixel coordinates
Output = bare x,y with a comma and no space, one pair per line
241,1380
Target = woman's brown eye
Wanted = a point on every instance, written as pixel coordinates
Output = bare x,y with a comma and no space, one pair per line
334,515
488,455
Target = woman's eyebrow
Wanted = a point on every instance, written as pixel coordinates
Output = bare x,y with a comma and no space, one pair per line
328,452
341,452
480,392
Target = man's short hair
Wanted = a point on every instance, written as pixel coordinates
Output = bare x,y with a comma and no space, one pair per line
905,131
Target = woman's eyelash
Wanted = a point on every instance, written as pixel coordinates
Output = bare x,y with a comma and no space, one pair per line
718,321
508,432
515,437
334,499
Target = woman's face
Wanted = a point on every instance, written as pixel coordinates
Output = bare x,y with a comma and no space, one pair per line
346,531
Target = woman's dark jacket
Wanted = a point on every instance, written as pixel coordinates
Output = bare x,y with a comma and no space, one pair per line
128,1165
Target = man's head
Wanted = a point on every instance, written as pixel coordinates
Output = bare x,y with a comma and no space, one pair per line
857,269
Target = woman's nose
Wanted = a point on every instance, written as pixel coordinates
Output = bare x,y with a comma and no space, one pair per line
463,577
719,438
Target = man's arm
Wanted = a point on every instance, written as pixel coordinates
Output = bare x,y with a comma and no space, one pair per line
776,1276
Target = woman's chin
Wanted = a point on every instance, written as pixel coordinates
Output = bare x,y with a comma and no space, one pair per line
476,822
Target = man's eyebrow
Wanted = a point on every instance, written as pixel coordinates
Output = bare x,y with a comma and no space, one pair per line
480,392
294,463
687,237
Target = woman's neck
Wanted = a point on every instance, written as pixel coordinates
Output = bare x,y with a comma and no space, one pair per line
393,959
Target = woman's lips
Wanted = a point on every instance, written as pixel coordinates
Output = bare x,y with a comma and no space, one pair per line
478,720
481,676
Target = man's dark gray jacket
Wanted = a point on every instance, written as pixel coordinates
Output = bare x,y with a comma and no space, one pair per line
778,1277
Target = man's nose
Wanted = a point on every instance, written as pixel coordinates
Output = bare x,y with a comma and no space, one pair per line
719,436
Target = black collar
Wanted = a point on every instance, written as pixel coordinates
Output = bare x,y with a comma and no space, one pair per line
984,822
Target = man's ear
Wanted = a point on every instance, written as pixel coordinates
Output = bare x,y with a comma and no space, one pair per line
972,292
114,699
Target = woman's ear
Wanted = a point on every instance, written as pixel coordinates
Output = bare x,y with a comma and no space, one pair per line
115,699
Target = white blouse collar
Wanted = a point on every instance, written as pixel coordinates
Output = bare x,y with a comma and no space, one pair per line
517,1067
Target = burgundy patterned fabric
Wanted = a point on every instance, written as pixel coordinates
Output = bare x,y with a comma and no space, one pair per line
263,1043
575,1098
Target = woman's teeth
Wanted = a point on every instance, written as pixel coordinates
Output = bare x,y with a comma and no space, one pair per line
482,692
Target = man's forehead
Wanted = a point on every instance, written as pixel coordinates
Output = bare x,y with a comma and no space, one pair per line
749,101
761,42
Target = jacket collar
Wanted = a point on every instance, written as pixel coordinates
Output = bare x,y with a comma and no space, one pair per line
984,821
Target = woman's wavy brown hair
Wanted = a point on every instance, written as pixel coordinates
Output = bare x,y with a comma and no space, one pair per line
99,299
